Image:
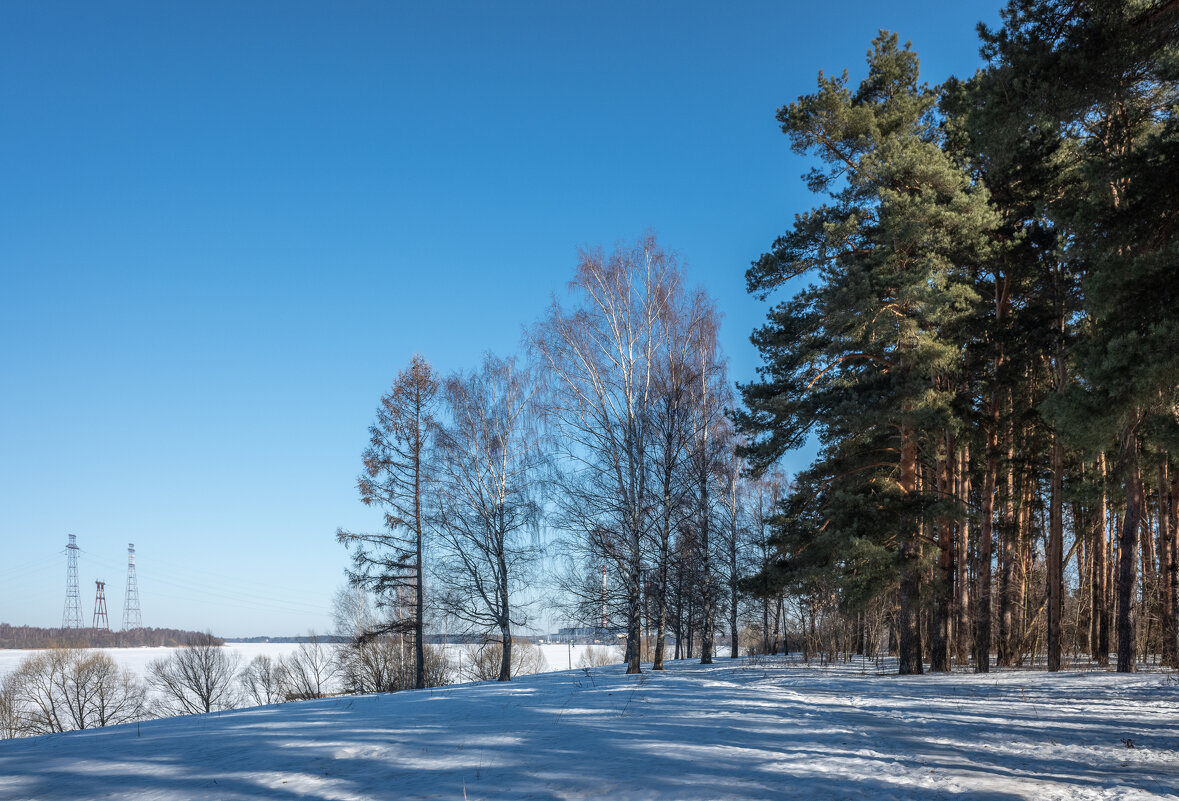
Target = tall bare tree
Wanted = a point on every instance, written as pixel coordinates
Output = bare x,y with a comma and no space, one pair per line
601,360
671,417
768,492
395,478
709,393
735,540
488,512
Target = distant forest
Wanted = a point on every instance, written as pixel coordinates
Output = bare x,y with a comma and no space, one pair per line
34,637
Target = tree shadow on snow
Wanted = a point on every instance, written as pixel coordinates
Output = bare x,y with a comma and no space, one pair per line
691,732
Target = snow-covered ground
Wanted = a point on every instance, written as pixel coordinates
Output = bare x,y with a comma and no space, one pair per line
751,729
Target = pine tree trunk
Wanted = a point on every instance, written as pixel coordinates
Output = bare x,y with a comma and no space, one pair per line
1171,587
909,634
1023,544
962,639
778,613
1007,563
1150,584
943,585
1128,552
982,600
1163,526
765,625
1055,555
910,585
1100,599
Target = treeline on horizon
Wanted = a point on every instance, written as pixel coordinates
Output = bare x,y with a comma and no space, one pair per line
34,637
979,331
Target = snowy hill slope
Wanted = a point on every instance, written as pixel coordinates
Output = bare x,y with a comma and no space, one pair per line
693,732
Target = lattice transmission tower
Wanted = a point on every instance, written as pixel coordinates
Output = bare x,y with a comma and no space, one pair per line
132,619
100,620
71,618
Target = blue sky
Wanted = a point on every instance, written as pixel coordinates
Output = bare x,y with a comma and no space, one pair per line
224,227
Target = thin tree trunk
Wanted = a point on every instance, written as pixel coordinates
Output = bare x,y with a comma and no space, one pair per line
1150,580
1008,556
733,529
962,640
1100,599
634,606
943,585
505,620
664,559
419,619
982,600
778,612
1055,555
706,600
765,625
1172,589
910,585
1167,564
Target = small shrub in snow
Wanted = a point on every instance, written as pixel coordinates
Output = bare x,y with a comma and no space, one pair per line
484,660
597,657
308,671
261,681
200,677
62,689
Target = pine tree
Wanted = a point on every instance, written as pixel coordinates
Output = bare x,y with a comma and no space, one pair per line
1104,74
396,476
866,357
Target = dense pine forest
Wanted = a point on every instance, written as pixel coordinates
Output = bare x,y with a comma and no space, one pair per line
981,335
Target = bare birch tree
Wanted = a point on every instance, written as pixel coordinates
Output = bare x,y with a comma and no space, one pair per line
708,403
671,415
734,535
488,514
769,490
601,361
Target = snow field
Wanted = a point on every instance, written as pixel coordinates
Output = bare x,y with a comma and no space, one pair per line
750,729
557,656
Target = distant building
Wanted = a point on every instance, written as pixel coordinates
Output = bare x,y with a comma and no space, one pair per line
586,635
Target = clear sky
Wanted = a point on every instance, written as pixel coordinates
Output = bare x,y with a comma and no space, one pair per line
224,227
